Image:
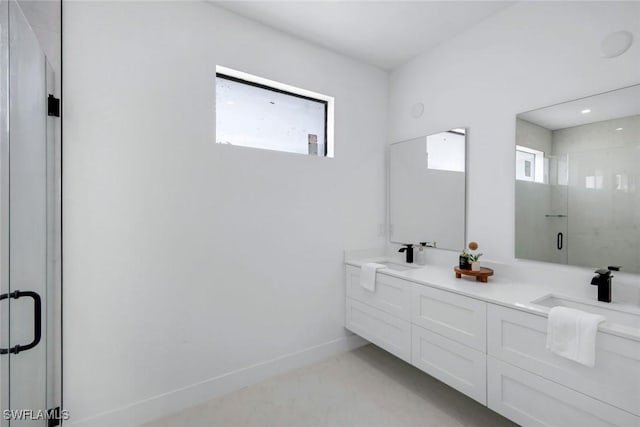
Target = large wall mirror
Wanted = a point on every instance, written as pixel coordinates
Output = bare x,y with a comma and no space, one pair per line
578,182
427,189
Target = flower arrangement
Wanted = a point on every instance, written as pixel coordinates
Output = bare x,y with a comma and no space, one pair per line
468,260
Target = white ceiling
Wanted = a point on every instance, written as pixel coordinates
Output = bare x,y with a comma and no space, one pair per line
382,33
606,106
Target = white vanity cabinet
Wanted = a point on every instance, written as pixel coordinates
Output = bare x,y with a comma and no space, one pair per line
454,316
391,295
531,400
455,364
496,354
381,317
519,339
382,329
439,332
449,339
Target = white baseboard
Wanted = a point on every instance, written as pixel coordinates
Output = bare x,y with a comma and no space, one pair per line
176,400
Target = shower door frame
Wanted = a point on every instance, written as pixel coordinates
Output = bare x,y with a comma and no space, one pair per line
51,315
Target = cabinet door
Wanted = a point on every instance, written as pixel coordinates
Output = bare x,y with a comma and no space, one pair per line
380,328
454,364
530,400
519,338
454,316
392,295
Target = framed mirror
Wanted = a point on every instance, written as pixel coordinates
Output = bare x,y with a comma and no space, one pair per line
577,183
427,189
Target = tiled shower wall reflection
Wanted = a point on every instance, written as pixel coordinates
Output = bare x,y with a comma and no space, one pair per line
593,179
603,201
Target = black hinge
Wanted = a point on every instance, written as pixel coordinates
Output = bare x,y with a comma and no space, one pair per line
53,416
53,106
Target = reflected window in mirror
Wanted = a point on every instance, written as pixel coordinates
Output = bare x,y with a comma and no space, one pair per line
446,151
529,164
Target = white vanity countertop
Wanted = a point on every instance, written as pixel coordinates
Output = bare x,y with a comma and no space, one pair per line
505,291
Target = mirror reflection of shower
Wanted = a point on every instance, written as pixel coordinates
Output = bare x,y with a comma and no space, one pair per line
576,182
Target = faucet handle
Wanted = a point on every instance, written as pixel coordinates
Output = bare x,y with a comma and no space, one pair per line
602,274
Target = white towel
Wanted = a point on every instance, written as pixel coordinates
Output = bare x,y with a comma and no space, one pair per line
572,334
368,275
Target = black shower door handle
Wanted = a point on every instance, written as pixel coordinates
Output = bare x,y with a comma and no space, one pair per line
559,241
37,320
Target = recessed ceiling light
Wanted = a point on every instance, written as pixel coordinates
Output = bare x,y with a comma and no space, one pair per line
620,129
585,111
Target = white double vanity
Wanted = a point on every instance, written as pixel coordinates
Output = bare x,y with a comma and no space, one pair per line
487,340
576,203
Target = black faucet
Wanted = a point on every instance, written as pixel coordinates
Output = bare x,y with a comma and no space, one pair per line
408,247
603,280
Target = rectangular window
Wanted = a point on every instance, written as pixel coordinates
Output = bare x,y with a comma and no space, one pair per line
529,164
446,150
260,113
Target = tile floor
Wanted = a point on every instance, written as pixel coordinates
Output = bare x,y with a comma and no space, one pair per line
366,387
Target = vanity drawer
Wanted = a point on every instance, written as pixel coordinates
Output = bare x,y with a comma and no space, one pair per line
454,316
380,328
520,339
392,295
530,400
452,363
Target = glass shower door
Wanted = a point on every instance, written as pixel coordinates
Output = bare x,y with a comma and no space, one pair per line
28,180
557,217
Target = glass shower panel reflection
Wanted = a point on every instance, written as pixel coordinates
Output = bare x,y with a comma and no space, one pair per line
542,214
557,215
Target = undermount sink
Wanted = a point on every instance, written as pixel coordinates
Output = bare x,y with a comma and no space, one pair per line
629,318
397,267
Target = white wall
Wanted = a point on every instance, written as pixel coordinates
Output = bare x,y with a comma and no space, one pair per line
530,55
186,260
